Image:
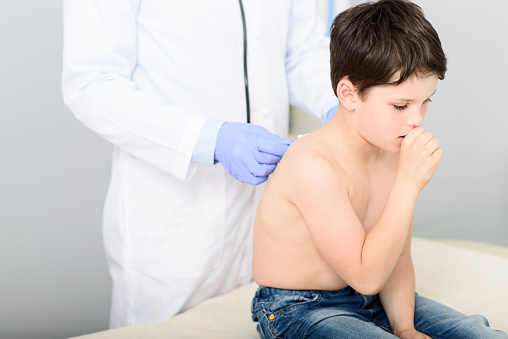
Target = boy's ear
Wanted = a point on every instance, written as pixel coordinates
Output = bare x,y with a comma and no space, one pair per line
346,92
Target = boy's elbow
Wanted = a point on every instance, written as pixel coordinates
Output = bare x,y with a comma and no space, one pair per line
368,290
368,286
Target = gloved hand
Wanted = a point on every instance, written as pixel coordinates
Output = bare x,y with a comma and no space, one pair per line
249,152
331,113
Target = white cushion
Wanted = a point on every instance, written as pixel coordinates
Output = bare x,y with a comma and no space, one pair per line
470,281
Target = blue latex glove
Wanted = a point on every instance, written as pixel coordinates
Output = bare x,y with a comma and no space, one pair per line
249,152
331,113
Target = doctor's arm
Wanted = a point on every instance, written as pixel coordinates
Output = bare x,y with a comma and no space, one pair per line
308,62
100,54
99,57
248,152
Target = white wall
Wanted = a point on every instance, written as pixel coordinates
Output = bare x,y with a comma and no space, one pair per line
54,172
468,198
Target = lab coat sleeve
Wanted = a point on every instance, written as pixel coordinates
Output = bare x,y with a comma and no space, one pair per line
204,151
308,61
99,58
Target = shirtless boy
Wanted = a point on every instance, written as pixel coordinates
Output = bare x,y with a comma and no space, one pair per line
332,236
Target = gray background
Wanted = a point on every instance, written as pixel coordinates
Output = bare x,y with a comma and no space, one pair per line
54,172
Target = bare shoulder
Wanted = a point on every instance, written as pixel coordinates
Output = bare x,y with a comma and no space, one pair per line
308,165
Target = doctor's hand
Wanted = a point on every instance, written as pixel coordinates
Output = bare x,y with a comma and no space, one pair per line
331,113
249,152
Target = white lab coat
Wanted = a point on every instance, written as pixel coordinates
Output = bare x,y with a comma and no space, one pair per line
145,75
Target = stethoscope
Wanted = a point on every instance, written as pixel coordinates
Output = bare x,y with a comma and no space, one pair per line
245,74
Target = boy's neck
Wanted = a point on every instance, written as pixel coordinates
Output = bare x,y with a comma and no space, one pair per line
347,139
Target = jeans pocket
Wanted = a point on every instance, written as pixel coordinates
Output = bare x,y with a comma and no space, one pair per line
285,314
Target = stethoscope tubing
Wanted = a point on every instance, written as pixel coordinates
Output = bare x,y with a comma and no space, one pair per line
245,73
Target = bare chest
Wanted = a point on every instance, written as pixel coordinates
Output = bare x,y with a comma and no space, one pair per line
369,193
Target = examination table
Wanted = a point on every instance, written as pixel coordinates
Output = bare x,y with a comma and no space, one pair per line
470,277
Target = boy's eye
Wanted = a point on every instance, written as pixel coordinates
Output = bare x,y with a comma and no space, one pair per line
400,108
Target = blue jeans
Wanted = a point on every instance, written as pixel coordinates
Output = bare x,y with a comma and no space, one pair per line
348,314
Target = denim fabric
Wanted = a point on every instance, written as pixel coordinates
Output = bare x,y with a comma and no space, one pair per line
348,314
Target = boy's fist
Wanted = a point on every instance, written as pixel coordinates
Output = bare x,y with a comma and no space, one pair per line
419,157
412,334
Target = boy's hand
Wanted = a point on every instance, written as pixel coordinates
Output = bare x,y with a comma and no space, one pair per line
419,157
412,334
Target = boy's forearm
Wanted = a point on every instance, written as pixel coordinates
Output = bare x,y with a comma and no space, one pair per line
398,295
383,245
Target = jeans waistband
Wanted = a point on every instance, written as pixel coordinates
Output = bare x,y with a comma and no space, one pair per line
266,292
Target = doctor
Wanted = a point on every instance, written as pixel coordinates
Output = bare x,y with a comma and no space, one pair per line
194,97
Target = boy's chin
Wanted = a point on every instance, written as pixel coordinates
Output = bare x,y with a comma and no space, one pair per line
393,149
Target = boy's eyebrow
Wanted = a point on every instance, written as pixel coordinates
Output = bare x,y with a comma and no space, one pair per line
410,100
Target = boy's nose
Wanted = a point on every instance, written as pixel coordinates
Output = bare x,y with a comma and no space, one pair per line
416,117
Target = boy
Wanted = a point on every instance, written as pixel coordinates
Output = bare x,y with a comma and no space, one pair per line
333,229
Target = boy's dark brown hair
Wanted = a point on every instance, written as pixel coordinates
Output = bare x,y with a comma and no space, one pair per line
370,42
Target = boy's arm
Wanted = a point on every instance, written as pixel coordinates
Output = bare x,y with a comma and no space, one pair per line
364,260
398,295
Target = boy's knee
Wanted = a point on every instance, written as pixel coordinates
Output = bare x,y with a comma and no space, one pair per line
475,323
476,326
